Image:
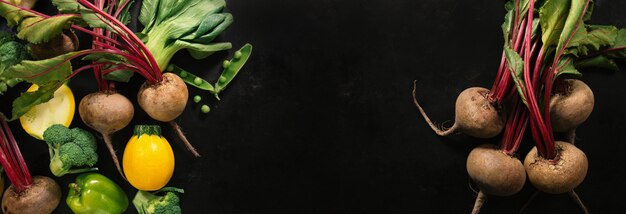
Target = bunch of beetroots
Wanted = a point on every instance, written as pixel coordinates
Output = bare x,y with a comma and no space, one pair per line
535,89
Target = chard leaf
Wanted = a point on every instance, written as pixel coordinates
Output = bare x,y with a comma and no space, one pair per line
589,11
42,72
104,57
507,26
120,75
553,15
67,6
27,100
516,66
48,28
598,37
566,66
620,45
14,15
600,61
90,17
573,21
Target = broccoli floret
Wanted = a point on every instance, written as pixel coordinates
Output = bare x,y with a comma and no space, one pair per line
6,36
70,148
11,53
151,203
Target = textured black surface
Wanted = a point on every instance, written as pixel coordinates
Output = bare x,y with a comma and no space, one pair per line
321,120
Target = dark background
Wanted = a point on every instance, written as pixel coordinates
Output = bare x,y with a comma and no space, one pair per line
321,120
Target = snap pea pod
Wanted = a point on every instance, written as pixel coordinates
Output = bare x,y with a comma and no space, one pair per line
191,79
231,68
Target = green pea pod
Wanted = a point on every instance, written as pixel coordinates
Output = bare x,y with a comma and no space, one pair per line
232,67
191,79
95,193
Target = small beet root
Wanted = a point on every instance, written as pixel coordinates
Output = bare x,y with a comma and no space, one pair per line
557,176
42,197
495,172
107,113
164,101
475,116
571,107
182,137
481,199
578,201
64,43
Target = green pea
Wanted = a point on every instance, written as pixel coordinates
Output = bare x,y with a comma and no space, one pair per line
197,98
222,79
226,64
238,54
183,74
170,68
205,109
197,80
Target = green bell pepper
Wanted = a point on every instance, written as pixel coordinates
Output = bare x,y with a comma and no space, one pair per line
94,193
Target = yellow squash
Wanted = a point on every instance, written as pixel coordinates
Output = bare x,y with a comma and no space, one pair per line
59,110
148,160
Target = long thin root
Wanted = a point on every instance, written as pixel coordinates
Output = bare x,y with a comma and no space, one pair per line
578,201
182,137
439,131
109,143
480,201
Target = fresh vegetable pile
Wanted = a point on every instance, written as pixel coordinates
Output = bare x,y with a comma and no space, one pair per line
537,89
40,51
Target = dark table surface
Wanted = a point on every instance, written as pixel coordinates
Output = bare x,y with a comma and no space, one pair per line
321,120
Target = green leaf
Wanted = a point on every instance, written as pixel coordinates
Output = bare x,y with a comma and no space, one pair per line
201,51
589,11
67,6
120,75
93,19
619,46
553,15
566,66
148,12
210,28
104,57
516,66
573,21
172,25
598,37
507,26
14,15
27,100
597,62
42,72
48,28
